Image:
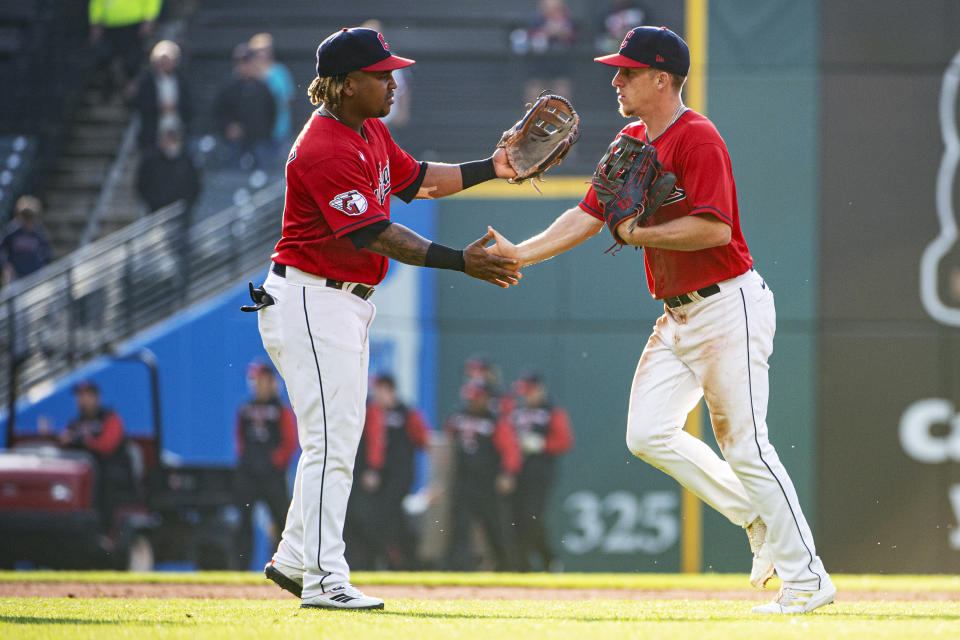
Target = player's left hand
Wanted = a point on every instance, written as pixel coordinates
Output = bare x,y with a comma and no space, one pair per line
493,268
501,165
502,246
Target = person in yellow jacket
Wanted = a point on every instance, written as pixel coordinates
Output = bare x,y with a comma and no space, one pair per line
119,29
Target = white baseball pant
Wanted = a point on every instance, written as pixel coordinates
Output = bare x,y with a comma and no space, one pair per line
717,348
317,338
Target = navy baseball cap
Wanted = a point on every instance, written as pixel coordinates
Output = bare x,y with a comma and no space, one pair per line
356,49
656,47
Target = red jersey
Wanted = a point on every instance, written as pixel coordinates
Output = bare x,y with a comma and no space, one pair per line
338,182
692,149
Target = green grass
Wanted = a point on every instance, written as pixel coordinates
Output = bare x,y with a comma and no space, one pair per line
707,581
28,619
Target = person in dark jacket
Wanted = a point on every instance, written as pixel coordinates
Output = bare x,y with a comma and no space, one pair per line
24,247
266,434
167,173
100,431
246,112
544,433
378,534
486,463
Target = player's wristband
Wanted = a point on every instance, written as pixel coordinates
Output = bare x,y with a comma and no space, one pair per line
472,173
443,257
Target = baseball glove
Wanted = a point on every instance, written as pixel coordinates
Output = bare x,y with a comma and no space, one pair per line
541,138
630,183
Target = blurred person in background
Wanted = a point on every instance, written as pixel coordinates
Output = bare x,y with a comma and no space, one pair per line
246,112
404,432
544,432
621,16
486,463
162,92
552,29
118,30
100,431
377,532
167,173
280,83
266,440
25,246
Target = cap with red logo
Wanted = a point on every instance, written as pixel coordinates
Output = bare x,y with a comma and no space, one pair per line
356,49
656,47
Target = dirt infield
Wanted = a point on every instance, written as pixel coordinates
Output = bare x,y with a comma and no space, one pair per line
420,592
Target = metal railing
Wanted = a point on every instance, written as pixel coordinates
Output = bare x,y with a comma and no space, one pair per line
82,305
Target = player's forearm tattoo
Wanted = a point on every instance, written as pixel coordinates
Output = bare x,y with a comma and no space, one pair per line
401,244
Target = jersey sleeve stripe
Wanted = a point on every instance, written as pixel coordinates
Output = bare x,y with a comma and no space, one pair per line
588,209
359,224
714,211
413,176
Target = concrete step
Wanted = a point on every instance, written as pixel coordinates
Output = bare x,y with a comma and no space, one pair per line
98,131
79,176
91,147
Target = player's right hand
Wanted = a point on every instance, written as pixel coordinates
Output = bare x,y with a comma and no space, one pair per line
483,265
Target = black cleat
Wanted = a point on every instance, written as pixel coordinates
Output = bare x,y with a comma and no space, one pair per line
282,580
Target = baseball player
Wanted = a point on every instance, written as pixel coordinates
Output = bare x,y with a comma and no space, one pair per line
544,432
487,460
266,441
376,522
716,333
315,306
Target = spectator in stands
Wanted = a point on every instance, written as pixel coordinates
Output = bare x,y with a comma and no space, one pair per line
24,247
100,431
167,173
266,437
621,17
118,29
550,29
278,79
246,112
486,463
544,433
162,92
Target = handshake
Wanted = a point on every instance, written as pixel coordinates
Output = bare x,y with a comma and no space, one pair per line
497,264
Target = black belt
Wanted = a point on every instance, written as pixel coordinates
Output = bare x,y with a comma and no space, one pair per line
684,298
362,291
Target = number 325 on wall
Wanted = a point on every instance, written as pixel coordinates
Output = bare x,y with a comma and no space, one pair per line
621,522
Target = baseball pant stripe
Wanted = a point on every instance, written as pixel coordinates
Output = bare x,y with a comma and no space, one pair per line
323,405
756,439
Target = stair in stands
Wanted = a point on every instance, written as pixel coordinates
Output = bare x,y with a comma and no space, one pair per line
92,141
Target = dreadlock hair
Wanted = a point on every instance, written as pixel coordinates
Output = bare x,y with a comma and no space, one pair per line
327,90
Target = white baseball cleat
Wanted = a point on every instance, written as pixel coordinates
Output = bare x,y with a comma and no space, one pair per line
762,569
343,597
800,600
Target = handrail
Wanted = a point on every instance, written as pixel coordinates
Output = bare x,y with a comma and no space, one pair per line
105,197
80,306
